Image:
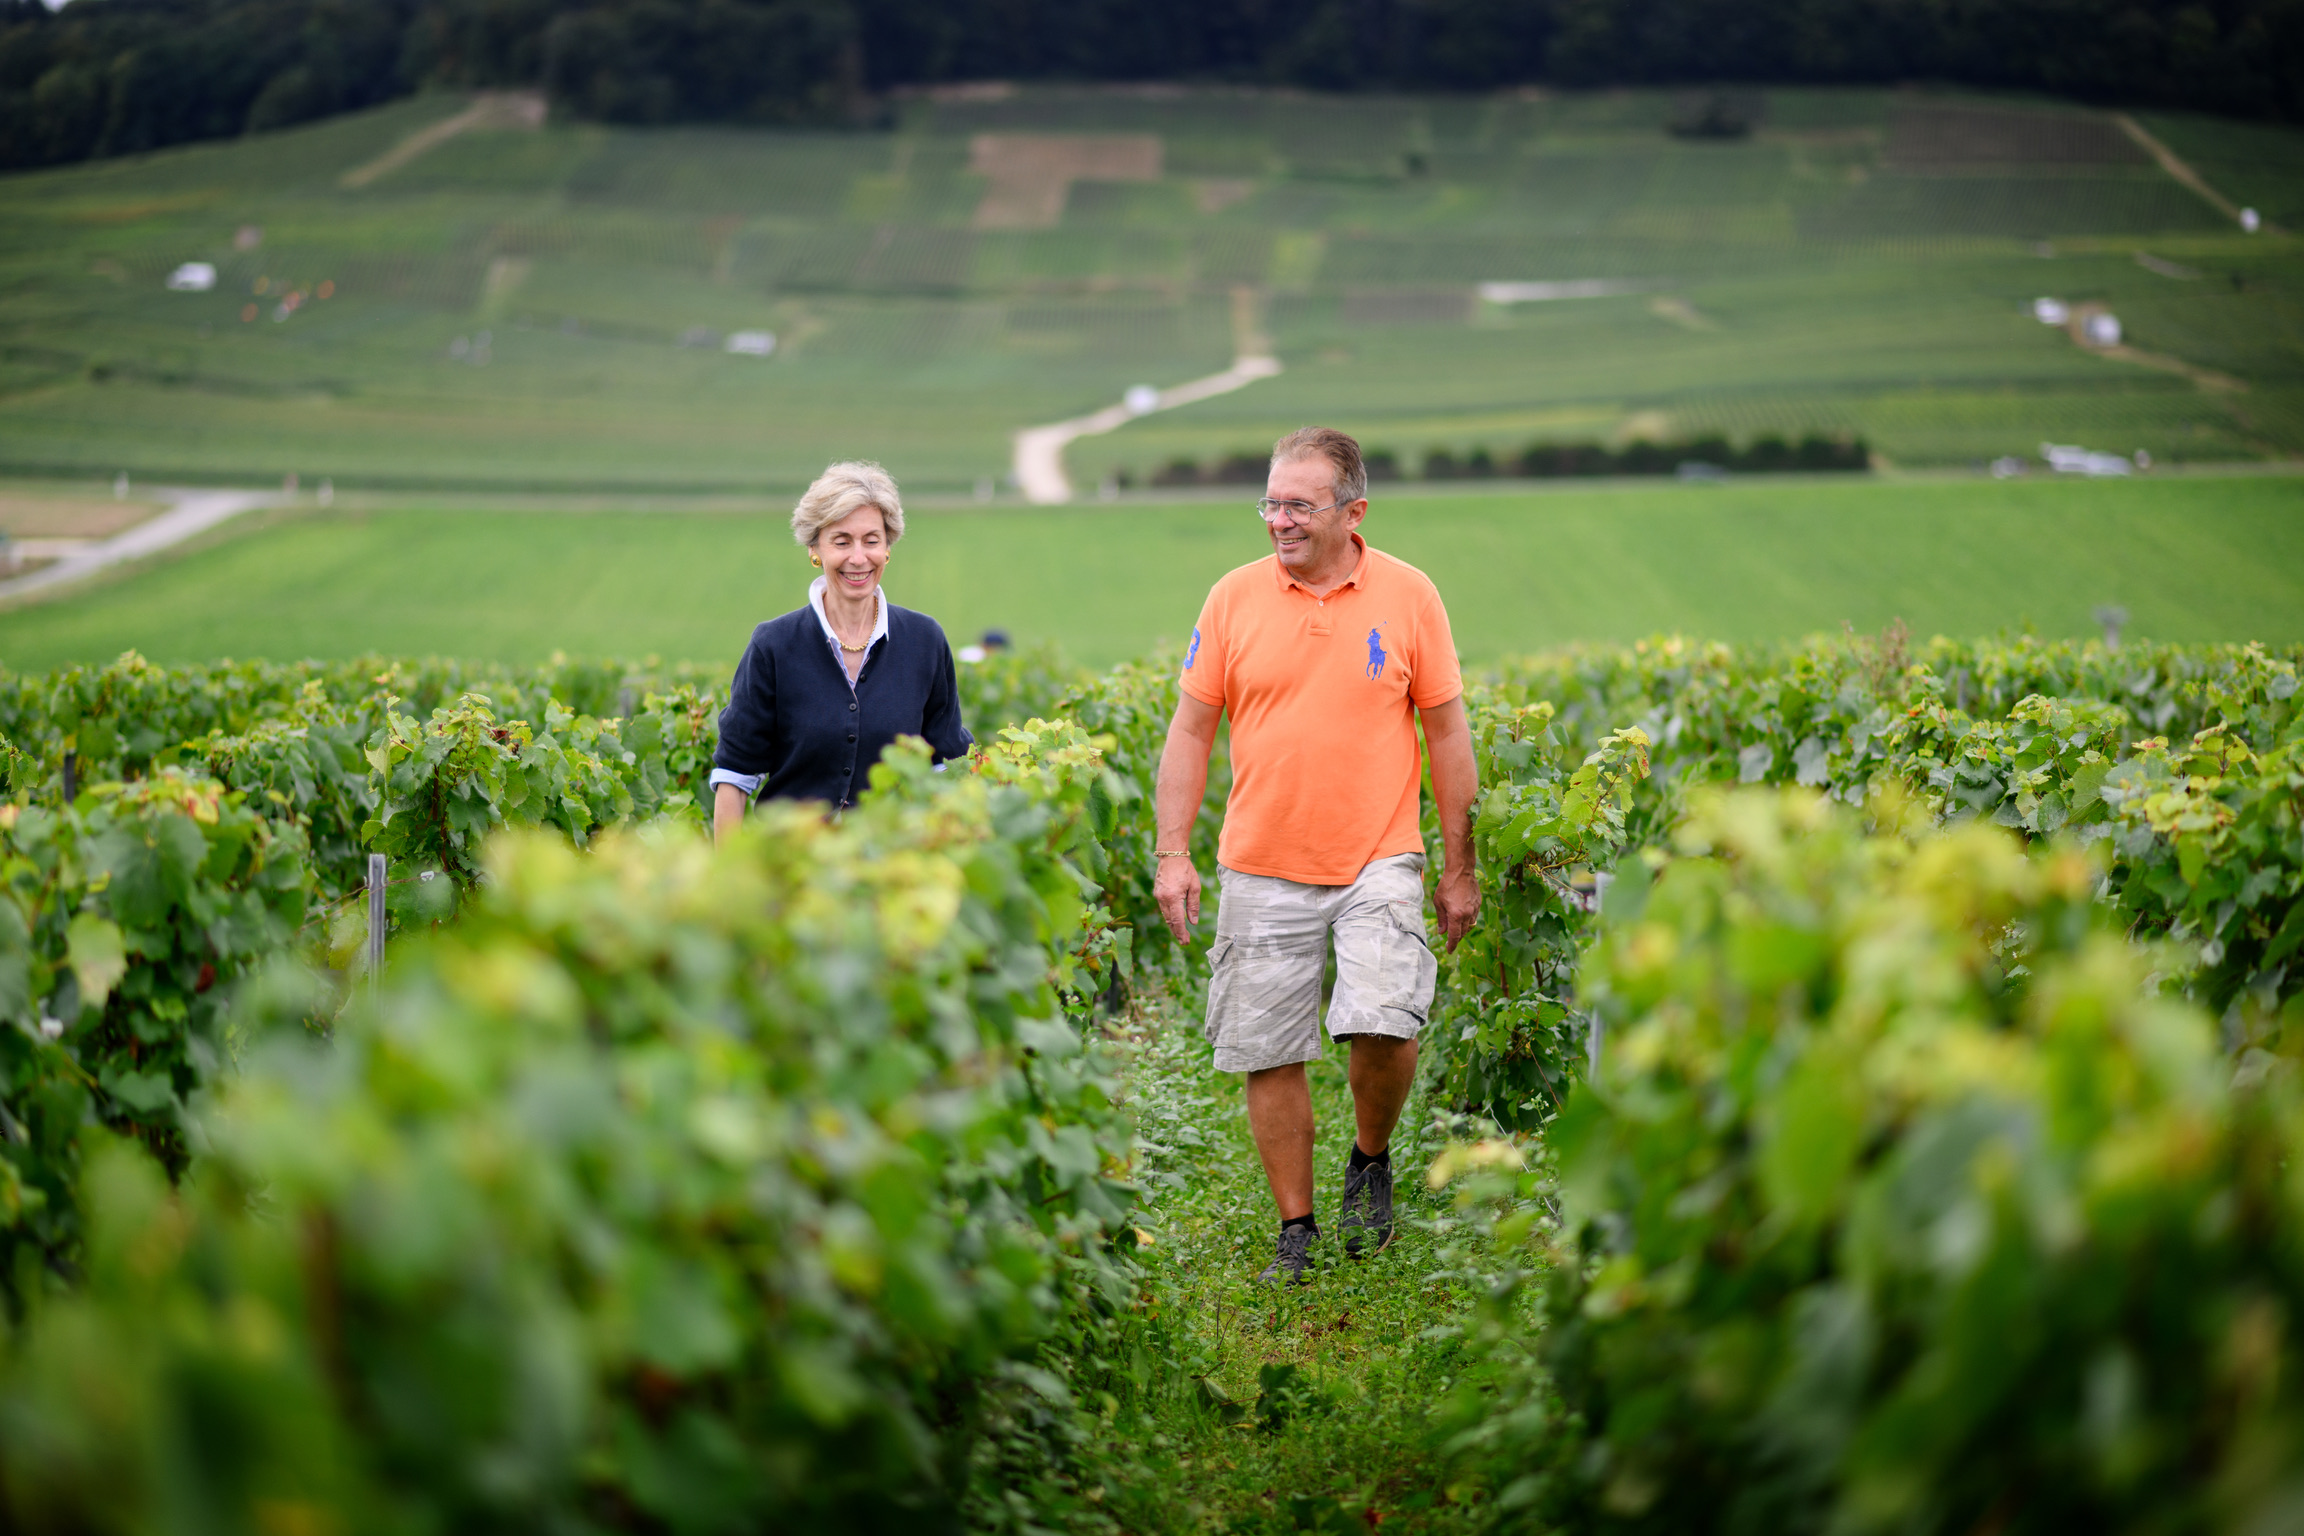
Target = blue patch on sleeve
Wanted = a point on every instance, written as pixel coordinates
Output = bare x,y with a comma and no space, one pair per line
1193,654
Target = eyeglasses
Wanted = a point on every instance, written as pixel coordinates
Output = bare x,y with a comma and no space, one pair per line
1295,511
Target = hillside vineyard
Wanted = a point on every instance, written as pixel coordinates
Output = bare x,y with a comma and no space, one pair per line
458,293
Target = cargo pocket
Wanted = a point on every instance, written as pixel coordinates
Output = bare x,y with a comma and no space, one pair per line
1411,971
1219,982
1384,972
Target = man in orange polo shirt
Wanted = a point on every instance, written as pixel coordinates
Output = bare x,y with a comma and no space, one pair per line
1325,654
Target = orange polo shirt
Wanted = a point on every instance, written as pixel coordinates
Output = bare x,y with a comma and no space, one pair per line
1323,694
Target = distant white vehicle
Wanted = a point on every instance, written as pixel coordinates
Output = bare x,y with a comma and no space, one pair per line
2051,311
2251,220
750,343
2103,330
2068,460
193,277
1572,288
1141,399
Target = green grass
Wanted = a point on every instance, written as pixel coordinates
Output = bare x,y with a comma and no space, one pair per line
1378,1344
1843,286
2191,558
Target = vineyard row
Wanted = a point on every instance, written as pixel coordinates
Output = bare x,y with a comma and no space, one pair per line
1936,993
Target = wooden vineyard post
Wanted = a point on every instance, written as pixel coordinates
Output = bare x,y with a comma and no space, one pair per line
376,870
1600,883
71,777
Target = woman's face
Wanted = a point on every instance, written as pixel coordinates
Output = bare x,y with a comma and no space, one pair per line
853,550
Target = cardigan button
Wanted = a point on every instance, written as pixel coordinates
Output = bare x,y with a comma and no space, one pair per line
851,735
851,706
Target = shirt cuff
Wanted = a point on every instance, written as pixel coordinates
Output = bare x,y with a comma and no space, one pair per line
747,782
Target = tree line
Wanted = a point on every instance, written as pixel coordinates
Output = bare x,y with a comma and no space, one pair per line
109,77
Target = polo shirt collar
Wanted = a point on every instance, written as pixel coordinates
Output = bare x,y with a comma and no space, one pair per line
816,591
1280,572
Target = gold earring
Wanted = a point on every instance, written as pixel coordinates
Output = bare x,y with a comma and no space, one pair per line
814,561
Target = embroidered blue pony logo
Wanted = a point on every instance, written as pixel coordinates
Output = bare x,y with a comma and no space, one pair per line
1376,653
1193,654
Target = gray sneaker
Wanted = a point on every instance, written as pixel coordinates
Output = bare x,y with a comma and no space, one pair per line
1295,1260
1367,1209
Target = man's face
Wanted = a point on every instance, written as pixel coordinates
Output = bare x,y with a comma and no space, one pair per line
1319,546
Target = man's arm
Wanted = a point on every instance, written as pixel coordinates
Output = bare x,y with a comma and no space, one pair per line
1176,806
1455,784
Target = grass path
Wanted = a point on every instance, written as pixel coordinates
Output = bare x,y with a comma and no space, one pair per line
191,514
1305,1409
499,110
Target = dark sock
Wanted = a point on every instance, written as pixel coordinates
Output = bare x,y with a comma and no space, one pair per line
1361,1159
1300,1221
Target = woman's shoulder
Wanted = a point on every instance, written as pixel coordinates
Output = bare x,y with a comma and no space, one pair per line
911,621
780,630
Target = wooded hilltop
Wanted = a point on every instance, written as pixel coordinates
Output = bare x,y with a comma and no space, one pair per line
112,77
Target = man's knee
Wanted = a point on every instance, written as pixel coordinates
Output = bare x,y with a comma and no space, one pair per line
1279,1098
1381,1064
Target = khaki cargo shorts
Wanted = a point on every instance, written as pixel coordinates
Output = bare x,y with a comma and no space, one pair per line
1272,948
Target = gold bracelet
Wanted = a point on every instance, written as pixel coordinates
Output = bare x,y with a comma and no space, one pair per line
1171,853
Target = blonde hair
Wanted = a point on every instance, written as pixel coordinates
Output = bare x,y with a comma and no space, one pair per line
843,488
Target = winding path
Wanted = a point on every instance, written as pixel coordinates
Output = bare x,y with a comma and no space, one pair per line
1039,458
489,109
2174,165
1039,461
194,512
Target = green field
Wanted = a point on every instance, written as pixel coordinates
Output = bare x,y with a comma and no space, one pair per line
2190,558
1861,263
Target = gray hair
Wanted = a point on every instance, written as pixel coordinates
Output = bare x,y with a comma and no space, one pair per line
1340,450
843,488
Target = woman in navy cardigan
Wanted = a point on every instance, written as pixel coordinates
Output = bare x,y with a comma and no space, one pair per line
822,691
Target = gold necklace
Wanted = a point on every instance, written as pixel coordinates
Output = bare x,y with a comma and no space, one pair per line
853,650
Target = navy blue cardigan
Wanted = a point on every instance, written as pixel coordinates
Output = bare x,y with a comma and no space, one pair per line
791,715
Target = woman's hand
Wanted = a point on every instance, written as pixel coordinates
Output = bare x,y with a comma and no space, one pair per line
727,810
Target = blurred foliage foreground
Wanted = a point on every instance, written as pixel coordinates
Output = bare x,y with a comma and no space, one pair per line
1872,1089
